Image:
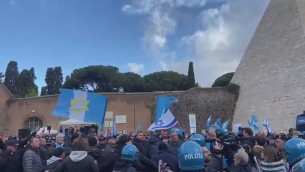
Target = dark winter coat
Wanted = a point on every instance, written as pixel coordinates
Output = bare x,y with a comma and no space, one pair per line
154,146
53,162
95,153
11,162
215,164
108,158
168,158
174,147
243,168
143,147
78,161
123,166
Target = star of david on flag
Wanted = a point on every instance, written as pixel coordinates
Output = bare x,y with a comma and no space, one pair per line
81,105
166,121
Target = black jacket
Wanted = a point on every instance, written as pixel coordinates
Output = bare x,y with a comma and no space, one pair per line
123,166
168,158
108,158
243,168
143,147
95,153
11,162
174,147
154,146
53,162
78,161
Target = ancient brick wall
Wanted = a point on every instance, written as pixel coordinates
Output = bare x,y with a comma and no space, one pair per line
204,102
200,101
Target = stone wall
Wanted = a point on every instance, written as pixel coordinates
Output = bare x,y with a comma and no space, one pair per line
204,102
200,101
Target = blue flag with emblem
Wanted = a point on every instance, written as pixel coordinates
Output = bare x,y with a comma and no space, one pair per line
164,103
166,121
81,105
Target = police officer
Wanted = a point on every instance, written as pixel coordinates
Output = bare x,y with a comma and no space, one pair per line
191,158
295,154
129,156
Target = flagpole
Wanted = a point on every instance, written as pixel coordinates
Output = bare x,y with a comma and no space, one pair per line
179,125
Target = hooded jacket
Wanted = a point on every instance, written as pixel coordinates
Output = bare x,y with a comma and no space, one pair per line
53,162
78,161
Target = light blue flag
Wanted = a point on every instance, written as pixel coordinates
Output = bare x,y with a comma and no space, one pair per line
81,105
253,123
166,121
113,130
226,124
138,127
218,124
164,103
208,123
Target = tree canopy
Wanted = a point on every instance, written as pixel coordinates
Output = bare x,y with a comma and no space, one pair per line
223,80
11,76
26,83
93,78
165,81
54,80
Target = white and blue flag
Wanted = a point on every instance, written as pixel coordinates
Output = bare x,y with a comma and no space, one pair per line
113,130
166,121
267,126
81,105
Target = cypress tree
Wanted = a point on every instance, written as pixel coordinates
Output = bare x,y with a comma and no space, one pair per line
191,76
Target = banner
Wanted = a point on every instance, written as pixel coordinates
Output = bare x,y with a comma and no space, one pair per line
192,120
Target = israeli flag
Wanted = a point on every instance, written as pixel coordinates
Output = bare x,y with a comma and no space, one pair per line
267,126
166,121
81,105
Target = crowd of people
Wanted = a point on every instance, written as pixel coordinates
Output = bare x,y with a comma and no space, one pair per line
216,151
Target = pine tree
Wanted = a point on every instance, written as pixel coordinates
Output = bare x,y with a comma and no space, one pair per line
26,83
191,76
54,80
11,76
43,91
